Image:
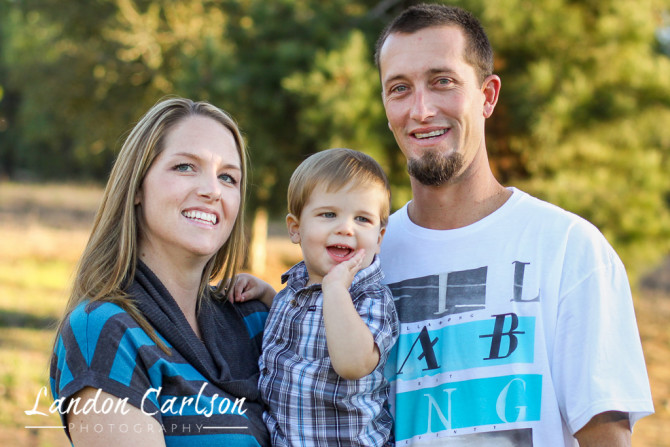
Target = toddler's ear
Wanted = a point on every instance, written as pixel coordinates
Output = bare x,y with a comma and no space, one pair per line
293,225
379,239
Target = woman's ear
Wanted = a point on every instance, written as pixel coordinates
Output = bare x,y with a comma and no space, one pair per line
293,225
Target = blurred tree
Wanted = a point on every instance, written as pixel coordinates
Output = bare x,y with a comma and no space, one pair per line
583,114
345,82
276,41
8,98
580,122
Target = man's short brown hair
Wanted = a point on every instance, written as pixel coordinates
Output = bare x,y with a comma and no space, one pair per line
478,52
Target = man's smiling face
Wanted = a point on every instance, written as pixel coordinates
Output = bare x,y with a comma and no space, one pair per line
434,102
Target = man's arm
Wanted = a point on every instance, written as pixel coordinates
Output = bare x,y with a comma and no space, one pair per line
609,429
351,347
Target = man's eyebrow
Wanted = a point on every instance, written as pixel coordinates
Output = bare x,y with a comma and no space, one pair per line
393,78
430,72
439,70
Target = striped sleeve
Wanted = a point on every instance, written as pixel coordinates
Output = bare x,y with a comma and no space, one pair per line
98,347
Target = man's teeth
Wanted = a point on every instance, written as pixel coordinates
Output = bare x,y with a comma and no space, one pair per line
434,133
199,215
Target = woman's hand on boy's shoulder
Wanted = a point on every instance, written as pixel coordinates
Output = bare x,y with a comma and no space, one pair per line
248,287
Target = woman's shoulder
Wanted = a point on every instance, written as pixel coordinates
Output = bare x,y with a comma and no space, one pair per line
96,314
90,322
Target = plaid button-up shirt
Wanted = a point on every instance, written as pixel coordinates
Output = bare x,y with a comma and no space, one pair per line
307,403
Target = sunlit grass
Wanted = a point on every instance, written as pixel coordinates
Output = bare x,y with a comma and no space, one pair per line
24,362
43,229
38,252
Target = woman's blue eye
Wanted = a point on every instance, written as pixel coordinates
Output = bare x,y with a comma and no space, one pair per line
228,179
183,167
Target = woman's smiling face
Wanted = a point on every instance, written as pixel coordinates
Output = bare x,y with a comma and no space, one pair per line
190,196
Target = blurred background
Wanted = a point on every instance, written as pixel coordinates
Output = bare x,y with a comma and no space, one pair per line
583,121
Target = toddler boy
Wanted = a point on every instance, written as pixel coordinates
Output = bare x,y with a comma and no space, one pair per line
330,330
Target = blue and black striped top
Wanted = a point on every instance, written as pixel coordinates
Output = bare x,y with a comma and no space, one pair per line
204,393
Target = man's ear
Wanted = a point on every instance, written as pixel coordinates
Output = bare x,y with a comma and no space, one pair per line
293,225
382,232
491,90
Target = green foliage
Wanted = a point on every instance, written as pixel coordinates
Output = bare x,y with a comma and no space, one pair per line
345,83
585,102
276,41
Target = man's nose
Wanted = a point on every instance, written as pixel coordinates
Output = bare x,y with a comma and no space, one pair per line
422,107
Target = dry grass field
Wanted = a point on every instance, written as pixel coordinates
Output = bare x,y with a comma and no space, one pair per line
43,229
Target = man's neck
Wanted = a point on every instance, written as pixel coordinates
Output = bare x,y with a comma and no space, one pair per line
456,204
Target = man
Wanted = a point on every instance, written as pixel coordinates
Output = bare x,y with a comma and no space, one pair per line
517,323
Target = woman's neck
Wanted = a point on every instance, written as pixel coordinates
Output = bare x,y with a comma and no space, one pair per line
181,278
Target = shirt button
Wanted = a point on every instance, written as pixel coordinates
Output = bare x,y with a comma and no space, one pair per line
293,303
280,340
265,371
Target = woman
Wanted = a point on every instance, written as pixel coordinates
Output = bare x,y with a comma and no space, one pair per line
148,353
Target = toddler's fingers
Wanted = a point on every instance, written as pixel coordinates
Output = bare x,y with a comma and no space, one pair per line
241,285
358,258
353,264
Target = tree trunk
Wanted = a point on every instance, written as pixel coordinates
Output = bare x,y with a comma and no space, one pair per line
258,245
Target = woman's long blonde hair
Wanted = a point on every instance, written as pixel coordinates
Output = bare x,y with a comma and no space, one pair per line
107,265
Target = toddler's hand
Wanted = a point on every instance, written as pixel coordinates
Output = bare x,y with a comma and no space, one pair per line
248,287
344,272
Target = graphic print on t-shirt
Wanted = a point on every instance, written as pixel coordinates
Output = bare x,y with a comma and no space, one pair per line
445,331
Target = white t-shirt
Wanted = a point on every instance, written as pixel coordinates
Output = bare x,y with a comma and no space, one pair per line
515,330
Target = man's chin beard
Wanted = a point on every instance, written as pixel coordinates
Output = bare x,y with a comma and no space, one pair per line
435,169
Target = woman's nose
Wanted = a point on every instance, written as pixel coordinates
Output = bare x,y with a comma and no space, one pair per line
210,187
